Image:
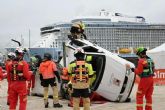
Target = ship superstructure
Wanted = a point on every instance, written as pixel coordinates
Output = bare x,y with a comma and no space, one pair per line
110,31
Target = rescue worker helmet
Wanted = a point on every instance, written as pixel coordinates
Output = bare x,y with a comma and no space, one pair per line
77,27
33,59
79,53
47,56
11,55
19,51
141,50
39,60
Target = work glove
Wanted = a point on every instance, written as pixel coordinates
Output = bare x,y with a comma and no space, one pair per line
58,76
132,69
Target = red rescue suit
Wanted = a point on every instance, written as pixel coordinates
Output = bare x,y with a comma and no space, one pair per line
18,74
31,82
7,63
145,70
1,74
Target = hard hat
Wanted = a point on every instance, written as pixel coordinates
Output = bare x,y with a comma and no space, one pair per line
11,55
79,52
47,56
140,50
33,59
77,27
19,51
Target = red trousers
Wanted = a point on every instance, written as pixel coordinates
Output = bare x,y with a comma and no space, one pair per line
18,89
31,83
8,92
145,88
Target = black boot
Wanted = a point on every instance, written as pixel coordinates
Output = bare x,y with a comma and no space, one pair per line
57,105
46,105
8,103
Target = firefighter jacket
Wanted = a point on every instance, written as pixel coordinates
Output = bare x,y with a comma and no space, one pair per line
47,69
18,71
80,72
145,67
7,63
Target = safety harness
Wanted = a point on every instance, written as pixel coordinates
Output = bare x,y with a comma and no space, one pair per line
148,70
17,72
79,72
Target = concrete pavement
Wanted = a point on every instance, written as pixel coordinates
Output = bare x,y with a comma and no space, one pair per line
36,103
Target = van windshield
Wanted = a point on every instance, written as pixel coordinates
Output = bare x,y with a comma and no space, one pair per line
98,63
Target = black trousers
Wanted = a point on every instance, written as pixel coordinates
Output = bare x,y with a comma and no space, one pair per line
81,93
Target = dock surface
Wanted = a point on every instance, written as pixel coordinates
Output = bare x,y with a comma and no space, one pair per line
36,103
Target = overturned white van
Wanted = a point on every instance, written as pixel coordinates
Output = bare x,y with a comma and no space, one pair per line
113,80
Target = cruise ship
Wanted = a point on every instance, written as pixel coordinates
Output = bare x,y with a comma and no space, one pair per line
111,31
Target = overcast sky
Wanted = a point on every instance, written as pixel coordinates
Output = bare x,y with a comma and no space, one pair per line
18,16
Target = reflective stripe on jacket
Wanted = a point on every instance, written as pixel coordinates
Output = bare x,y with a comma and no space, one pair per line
18,71
145,67
80,71
148,69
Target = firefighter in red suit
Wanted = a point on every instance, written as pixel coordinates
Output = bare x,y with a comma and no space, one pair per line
145,69
8,62
1,74
18,73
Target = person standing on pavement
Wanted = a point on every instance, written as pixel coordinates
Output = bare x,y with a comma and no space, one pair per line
11,56
64,84
80,72
1,74
18,74
48,73
145,69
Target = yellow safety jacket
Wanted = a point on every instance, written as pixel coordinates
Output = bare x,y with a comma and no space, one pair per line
80,72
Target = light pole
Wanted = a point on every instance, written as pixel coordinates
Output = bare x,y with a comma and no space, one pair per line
29,38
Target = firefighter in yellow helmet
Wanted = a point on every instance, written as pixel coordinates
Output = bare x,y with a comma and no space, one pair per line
80,72
77,31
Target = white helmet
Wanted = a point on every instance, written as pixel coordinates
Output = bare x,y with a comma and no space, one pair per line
19,51
79,50
11,55
79,53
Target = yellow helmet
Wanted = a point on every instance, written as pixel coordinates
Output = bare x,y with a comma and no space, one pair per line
77,27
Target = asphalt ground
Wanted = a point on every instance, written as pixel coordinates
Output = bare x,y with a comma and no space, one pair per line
36,103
